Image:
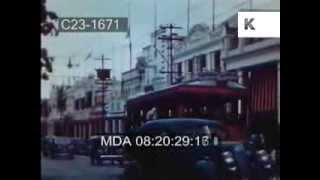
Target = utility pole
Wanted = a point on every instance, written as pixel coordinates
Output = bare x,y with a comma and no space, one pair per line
155,27
188,17
103,74
170,38
129,34
213,14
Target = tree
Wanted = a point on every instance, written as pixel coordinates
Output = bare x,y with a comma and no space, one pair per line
47,27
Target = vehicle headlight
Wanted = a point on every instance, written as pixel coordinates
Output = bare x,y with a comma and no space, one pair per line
264,157
227,154
229,160
268,166
234,168
262,152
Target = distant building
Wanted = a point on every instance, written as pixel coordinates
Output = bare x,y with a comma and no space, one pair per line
45,111
133,79
82,116
116,111
156,57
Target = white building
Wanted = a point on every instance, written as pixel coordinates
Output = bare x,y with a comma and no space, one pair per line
156,57
133,80
83,114
116,111
199,52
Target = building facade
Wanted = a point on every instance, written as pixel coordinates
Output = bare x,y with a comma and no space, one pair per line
257,62
82,116
116,108
199,52
156,57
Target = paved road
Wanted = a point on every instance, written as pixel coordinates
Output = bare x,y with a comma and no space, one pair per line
78,169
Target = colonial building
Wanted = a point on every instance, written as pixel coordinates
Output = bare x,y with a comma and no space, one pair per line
82,116
116,111
257,61
156,57
199,52
132,82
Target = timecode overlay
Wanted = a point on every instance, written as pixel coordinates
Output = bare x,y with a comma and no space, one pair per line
158,141
93,24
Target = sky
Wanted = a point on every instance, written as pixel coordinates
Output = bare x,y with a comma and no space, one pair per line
115,45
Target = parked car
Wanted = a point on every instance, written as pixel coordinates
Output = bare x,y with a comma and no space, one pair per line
58,147
81,147
215,161
98,153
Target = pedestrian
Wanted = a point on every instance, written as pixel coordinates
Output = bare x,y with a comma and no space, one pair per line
152,114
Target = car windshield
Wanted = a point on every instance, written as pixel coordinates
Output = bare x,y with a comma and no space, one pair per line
206,130
62,140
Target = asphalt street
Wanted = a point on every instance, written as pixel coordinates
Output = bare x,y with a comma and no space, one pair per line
78,169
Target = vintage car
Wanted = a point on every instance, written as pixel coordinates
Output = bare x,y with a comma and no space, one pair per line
55,147
99,153
81,147
220,159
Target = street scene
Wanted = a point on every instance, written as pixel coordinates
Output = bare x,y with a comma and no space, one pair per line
172,77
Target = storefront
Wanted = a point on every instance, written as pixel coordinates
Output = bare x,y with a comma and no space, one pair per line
263,107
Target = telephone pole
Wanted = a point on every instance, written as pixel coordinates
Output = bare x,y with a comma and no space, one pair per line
103,74
170,38
188,17
213,14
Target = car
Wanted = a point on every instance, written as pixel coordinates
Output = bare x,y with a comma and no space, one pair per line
98,153
219,160
81,147
55,147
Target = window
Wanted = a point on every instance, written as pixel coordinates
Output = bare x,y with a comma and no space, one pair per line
83,103
217,61
179,68
118,106
190,65
234,42
77,104
89,99
203,63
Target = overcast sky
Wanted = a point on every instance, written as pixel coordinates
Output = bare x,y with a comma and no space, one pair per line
115,45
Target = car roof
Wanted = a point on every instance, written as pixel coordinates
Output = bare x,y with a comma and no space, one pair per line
173,123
